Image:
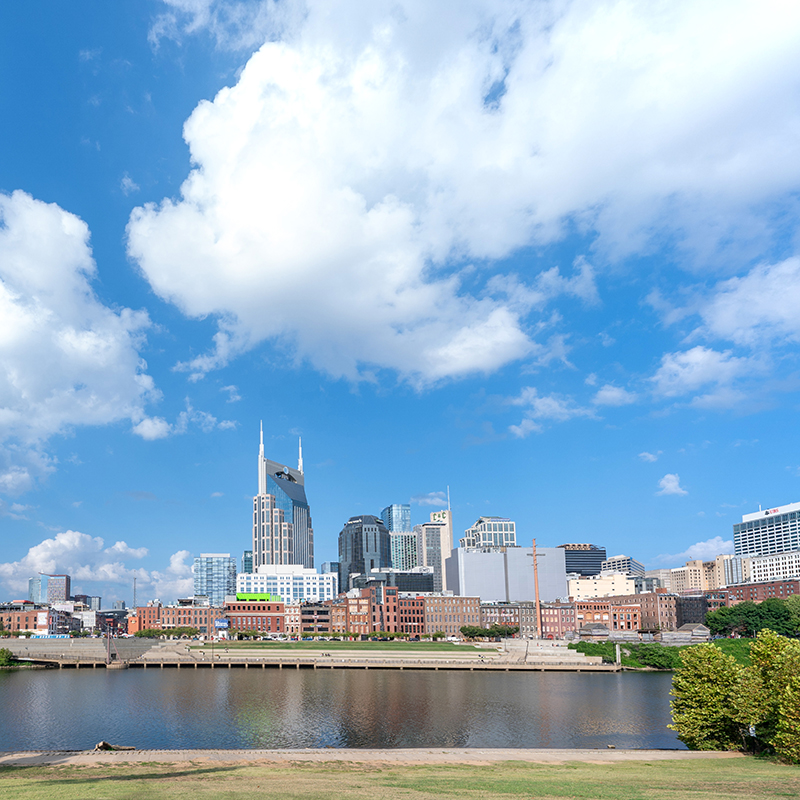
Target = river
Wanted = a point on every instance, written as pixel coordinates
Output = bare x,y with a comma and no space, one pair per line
159,709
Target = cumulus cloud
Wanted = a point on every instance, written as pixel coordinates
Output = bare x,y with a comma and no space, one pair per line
65,358
544,407
438,499
127,185
87,560
609,395
365,155
671,484
703,551
703,368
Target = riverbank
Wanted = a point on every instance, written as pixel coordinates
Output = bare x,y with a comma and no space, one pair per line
410,774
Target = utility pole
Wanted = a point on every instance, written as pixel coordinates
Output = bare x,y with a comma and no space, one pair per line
536,593
134,594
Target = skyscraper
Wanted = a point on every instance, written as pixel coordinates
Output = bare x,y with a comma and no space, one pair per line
214,576
762,533
363,545
397,517
585,559
282,532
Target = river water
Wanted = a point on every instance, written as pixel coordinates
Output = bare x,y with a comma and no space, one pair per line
157,709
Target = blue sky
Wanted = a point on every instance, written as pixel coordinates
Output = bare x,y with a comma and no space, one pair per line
545,254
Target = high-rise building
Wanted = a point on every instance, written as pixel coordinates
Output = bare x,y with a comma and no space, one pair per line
364,544
49,588
282,532
434,545
214,576
91,601
247,561
404,550
397,518
585,559
763,533
490,532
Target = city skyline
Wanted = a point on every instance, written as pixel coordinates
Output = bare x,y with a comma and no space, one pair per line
565,293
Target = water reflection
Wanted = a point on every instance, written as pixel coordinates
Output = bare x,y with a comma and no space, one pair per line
338,708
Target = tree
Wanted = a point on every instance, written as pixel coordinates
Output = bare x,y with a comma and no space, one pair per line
6,657
704,689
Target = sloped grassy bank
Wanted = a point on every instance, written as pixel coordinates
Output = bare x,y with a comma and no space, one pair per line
659,656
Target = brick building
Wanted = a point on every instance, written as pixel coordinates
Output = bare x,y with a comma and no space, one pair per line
763,591
448,613
315,618
165,618
558,619
353,612
248,615
615,616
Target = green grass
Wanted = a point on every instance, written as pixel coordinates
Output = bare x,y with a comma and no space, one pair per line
738,648
744,779
417,647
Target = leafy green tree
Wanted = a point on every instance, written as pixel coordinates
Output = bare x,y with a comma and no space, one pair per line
704,690
657,656
793,604
6,657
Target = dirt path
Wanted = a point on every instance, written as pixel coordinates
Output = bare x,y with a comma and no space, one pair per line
399,756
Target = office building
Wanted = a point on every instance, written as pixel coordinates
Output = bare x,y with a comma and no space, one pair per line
584,559
293,583
364,545
776,567
433,546
444,613
624,564
329,566
214,576
404,550
605,585
282,531
505,574
263,616
418,579
490,532
762,533
49,588
247,561
663,576
92,602
397,518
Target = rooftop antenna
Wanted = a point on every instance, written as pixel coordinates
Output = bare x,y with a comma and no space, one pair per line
262,473
448,498
300,457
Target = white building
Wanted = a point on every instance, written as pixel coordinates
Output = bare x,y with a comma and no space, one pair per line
777,567
625,564
606,585
490,532
291,582
776,530
434,543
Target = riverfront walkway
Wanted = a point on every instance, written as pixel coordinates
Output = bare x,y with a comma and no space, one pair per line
512,656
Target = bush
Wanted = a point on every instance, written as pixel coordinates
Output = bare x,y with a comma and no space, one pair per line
6,657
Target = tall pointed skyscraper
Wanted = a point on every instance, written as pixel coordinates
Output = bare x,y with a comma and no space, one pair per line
282,532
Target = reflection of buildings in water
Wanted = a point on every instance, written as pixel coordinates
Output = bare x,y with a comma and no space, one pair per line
307,708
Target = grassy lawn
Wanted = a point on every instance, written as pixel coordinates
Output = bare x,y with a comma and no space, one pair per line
427,646
738,648
642,780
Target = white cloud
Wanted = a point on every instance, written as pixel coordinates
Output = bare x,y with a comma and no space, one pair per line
609,395
127,185
65,358
356,161
758,308
703,551
671,484
650,457
544,407
217,494
152,428
233,393
690,371
87,560
430,499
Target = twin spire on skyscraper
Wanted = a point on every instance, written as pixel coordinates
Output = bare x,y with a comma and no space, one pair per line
262,470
